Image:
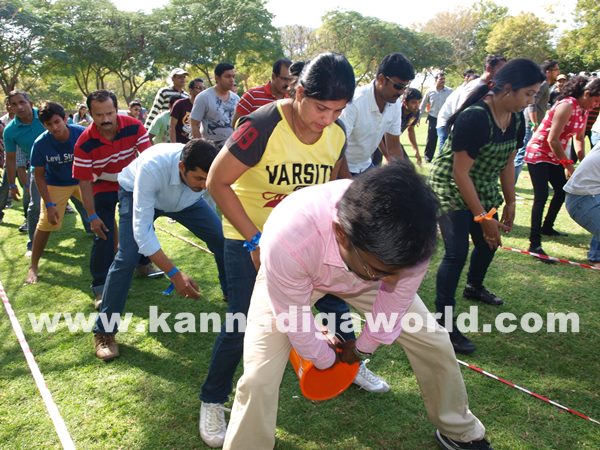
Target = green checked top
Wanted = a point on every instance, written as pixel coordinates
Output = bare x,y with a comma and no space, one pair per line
476,133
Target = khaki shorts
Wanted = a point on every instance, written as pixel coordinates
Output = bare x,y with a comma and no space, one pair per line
59,195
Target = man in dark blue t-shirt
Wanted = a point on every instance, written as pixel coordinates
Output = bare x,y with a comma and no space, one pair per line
52,162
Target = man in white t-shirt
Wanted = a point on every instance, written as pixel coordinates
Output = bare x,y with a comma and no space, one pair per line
492,64
375,113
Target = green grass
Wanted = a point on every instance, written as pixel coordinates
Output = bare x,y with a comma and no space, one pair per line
147,399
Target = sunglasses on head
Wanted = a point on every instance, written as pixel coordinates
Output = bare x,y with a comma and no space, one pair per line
397,86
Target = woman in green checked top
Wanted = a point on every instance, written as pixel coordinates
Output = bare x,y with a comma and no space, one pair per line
485,133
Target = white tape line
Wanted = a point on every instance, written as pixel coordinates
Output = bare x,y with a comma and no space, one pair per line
59,424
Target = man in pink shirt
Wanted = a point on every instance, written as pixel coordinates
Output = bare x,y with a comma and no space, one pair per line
369,242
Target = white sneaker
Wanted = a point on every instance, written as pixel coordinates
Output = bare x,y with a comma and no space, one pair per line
212,424
368,381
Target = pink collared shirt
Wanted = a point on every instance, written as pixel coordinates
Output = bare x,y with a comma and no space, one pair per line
300,254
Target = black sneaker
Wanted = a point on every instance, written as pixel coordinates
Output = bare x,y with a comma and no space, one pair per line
24,228
482,294
553,232
460,342
540,251
446,443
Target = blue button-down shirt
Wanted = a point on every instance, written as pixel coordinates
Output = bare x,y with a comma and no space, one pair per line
154,179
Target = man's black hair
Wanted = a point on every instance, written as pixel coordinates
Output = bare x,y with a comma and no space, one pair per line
412,94
492,61
281,62
549,64
396,65
50,109
198,153
101,96
194,81
16,92
222,68
391,213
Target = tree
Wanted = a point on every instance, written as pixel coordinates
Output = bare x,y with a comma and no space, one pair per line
205,32
81,42
296,41
21,48
467,29
579,49
366,40
522,36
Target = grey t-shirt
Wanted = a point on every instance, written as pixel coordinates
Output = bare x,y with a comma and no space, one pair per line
586,178
215,115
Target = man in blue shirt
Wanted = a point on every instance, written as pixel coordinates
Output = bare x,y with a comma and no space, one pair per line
21,132
52,162
165,180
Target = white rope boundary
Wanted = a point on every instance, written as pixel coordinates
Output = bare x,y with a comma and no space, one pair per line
57,420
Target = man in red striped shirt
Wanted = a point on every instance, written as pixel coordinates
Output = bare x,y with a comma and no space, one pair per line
275,89
106,147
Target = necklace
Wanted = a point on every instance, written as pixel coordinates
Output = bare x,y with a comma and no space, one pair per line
496,117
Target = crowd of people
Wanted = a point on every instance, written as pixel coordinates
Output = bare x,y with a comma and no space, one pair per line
228,168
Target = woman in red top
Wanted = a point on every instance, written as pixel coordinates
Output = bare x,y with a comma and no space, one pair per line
546,158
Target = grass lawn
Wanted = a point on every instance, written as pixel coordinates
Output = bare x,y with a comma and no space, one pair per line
148,398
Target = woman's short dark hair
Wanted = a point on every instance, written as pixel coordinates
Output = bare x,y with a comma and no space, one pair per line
328,76
396,65
577,85
50,109
101,96
517,73
391,213
198,153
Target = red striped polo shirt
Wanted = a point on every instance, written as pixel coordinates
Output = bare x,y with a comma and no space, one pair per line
255,98
100,161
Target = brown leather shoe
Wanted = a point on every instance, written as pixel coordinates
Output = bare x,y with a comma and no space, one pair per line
106,346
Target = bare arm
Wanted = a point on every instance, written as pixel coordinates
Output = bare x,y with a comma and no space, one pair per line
341,170
195,125
393,150
412,138
172,125
461,168
87,195
579,144
507,181
235,118
11,170
40,180
561,117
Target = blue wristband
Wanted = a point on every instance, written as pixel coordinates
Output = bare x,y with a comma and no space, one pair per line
251,246
12,186
49,204
93,217
172,272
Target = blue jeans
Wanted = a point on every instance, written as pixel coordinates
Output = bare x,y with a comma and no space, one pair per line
33,209
585,210
198,218
456,226
228,348
103,251
520,156
442,136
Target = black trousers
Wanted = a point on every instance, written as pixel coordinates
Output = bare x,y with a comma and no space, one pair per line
432,137
541,174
